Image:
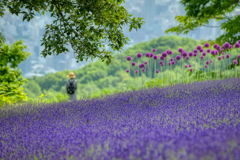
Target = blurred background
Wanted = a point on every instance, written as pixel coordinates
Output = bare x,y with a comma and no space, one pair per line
158,14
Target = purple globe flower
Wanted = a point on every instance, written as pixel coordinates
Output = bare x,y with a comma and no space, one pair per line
155,57
164,54
230,47
140,65
190,54
171,59
199,47
157,71
206,66
212,52
154,50
190,65
201,57
223,56
180,50
226,45
201,50
227,56
211,61
169,52
237,45
129,58
215,46
169,63
139,55
204,53
178,57
195,51
216,52
145,62
160,62
186,66
136,71
173,62
161,57
219,58
190,69
127,70
238,56
239,41
195,54
187,57
208,50
133,63
206,45
151,54
223,53
147,67
147,54
143,70
207,62
184,54
235,61
143,65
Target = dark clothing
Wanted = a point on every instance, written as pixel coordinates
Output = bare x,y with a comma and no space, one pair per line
74,95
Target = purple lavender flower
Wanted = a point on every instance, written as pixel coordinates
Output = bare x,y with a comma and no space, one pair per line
133,63
139,55
127,70
129,58
206,45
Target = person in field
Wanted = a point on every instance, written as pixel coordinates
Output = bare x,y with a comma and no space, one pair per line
71,87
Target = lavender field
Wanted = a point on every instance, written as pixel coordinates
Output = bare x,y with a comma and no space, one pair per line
195,121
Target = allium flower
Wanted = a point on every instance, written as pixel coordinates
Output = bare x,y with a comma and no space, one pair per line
169,63
147,54
199,47
201,50
206,66
208,50
235,61
239,41
160,62
178,57
171,59
151,54
147,67
186,66
204,53
143,65
206,45
139,55
127,70
184,54
161,57
237,45
230,47
227,56
216,52
215,46
226,45
187,57
140,65
219,58
154,50
180,50
164,54
169,52
190,65
173,62
133,63
211,61
195,54
223,56
207,62
190,54
201,57
190,69
145,62
155,57
129,58
136,71
143,70
212,52
238,56
195,51
157,71
223,53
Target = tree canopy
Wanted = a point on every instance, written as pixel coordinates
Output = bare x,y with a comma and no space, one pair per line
84,24
199,12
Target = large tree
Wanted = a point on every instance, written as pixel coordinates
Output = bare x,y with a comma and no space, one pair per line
199,12
84,24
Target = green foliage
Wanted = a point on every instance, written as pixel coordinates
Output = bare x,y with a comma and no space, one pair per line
86,26
200,12
11,78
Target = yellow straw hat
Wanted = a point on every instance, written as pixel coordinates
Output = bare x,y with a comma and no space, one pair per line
71,75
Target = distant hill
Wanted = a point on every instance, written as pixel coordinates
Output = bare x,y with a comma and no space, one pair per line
96,76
